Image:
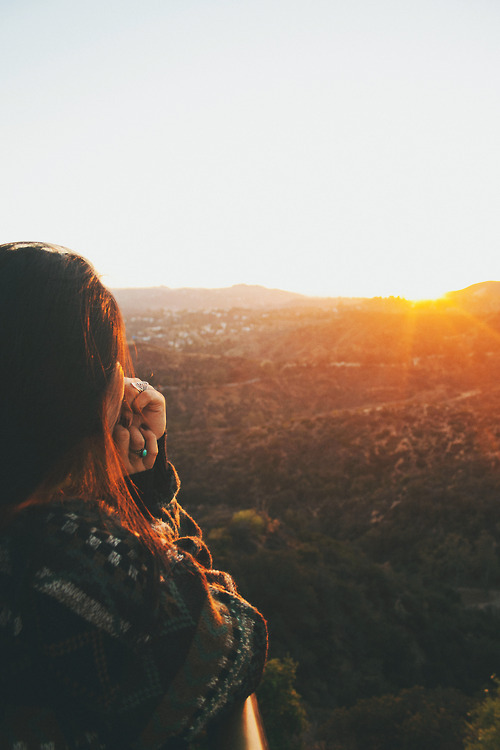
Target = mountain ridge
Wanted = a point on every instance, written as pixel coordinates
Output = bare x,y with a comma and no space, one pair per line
482,296
197,298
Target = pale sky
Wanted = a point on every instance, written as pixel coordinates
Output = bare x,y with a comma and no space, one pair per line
331,147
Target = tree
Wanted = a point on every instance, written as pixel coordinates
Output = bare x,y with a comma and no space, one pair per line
283,713
411,720
484,728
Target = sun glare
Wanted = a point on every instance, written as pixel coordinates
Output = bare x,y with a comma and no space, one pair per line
421,293
422,299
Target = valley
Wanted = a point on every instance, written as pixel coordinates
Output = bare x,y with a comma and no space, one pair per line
344,461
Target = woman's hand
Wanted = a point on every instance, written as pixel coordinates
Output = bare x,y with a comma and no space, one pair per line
142,421
148,404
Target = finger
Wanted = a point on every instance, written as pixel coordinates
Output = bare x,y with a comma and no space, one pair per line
143,457
140,385
134,387
125,414
137,440
151,445
121,437
150,397
150,404
129,392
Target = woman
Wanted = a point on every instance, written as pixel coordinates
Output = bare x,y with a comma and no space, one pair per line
115,631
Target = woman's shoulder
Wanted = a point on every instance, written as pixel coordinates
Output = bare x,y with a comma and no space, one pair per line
72,519
97,601
83,525
73,567
74,540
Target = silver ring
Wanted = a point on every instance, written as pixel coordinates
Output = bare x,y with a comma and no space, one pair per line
141,386
142,453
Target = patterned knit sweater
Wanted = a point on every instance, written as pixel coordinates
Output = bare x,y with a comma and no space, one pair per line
105,645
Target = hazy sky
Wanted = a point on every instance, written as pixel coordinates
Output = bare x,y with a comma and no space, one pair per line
335,147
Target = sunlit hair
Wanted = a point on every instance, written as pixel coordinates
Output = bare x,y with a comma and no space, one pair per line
61,337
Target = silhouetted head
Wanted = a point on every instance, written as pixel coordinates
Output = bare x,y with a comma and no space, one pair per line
61,337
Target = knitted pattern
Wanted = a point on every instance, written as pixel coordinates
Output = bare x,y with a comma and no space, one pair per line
105,645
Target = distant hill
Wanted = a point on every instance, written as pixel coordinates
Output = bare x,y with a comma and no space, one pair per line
482,297
240,295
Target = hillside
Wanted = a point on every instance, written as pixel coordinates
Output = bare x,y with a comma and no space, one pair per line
482,297
345,464
142,300
330,401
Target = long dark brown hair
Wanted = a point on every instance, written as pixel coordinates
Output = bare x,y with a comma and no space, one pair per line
61,337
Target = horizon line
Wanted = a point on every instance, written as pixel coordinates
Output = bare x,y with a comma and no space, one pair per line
443,295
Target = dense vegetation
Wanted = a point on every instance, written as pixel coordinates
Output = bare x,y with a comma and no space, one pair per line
345,465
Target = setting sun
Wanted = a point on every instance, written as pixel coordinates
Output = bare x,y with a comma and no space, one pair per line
425,298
